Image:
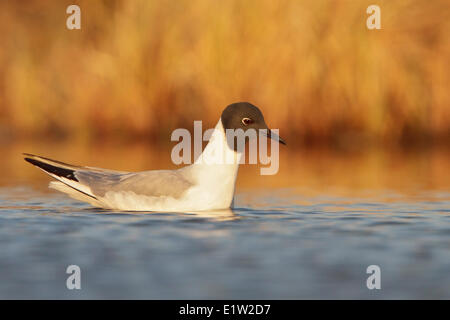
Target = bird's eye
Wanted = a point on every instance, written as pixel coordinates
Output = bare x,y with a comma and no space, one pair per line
246,121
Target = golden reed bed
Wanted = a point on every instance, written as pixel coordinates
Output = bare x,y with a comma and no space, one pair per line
140,69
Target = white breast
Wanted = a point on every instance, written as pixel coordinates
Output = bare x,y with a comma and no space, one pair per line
213,175
215,172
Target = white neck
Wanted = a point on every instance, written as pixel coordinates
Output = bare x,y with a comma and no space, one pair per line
217,150
216,169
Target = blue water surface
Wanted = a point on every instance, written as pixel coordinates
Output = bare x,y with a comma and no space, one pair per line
276,244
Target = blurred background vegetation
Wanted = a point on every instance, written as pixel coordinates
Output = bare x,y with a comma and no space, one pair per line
139,69
348,100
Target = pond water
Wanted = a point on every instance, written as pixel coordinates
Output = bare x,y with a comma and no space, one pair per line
309,238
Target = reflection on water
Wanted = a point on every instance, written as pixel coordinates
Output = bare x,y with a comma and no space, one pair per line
312,169
309,232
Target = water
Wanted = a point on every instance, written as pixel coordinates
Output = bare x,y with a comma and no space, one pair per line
278,243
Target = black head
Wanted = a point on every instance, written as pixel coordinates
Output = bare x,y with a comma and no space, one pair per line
245,116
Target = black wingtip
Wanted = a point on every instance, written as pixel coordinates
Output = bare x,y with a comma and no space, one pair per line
28,160
60,172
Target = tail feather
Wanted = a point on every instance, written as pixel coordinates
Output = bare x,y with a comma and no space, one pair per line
63,172
75,193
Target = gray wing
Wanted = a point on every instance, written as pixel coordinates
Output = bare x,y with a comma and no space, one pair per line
95,182
155,183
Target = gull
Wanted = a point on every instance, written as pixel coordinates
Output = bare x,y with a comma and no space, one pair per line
207,184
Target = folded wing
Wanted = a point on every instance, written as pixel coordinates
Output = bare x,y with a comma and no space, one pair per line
91,184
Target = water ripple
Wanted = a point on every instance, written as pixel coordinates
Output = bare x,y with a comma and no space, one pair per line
275,243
